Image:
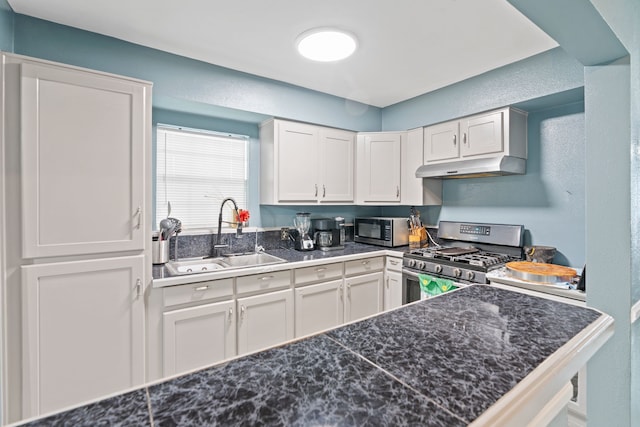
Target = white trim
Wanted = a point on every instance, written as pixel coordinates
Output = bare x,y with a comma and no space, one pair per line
4,404
635,312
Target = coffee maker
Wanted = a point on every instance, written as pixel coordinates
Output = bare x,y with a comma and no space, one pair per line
328,233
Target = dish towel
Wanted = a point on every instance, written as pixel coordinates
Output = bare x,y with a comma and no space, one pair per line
435,285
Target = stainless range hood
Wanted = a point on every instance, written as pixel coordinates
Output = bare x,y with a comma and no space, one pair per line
474,168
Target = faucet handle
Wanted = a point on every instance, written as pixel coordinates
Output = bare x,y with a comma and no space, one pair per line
259,248
220,246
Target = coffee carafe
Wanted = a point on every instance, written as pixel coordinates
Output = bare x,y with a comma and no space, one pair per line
302,222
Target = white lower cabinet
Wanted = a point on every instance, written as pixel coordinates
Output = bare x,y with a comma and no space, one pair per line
363,296
319,307
198,336
265,320
83,331
393,283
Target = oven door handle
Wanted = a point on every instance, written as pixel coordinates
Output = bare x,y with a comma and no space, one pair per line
410,273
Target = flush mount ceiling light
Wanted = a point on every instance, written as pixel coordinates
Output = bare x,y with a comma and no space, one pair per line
326,44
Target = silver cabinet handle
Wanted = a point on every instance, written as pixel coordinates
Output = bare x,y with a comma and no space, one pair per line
393,262
321,269
138,288
139,215
263,278
387,283
349,290
464,138
201,288
324,191
242,310
230,314
341,290
454,139
397,191
316,194
365,262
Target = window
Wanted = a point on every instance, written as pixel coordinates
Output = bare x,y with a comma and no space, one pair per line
195,171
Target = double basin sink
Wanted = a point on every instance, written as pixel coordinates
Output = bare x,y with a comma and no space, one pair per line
207,265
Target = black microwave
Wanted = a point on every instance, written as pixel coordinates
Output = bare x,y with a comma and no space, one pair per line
381,231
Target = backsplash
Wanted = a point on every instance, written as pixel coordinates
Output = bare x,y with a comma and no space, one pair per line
201,245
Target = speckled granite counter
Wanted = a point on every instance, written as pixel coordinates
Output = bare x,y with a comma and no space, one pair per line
447,361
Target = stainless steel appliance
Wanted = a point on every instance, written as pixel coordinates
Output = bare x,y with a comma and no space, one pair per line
467,253
382,231
327,234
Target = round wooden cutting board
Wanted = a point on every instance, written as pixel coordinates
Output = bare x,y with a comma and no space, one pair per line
540,272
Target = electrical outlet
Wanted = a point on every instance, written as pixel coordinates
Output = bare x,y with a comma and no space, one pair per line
284,233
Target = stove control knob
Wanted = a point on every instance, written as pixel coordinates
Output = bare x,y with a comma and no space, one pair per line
470,275
438,268
457,272
411,262
420,265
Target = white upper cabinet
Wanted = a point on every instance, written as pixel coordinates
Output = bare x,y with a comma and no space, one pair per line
378,170
499,132
82,172
305,164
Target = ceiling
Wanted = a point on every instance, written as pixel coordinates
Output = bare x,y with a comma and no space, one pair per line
406,47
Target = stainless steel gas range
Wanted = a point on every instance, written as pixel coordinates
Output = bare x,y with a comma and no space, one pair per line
466,253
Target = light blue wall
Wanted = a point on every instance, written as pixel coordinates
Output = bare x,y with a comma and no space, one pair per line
182,83
6,26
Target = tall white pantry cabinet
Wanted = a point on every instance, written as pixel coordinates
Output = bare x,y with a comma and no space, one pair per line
75,232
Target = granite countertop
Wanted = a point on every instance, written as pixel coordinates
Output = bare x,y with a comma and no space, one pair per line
444,361
293,258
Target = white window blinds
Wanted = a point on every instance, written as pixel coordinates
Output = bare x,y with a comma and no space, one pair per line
195,171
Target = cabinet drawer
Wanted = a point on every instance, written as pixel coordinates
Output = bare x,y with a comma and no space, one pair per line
317,273
195,292
263,282
393,263
361,266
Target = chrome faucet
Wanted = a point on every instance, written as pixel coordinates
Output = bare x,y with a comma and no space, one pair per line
218,245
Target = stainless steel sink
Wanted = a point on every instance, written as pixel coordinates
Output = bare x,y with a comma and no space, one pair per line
207,265
251,260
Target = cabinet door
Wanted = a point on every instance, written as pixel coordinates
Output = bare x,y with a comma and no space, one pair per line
337,151
83,331
297,157
198,336
82,140
319,307
381,168
364,296
441,142
482,134
265,320
392,290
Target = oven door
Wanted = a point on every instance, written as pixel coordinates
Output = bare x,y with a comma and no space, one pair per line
411,291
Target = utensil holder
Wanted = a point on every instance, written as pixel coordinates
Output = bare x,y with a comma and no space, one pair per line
159,251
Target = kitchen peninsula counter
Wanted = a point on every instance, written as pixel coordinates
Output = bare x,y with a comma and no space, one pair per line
478,355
